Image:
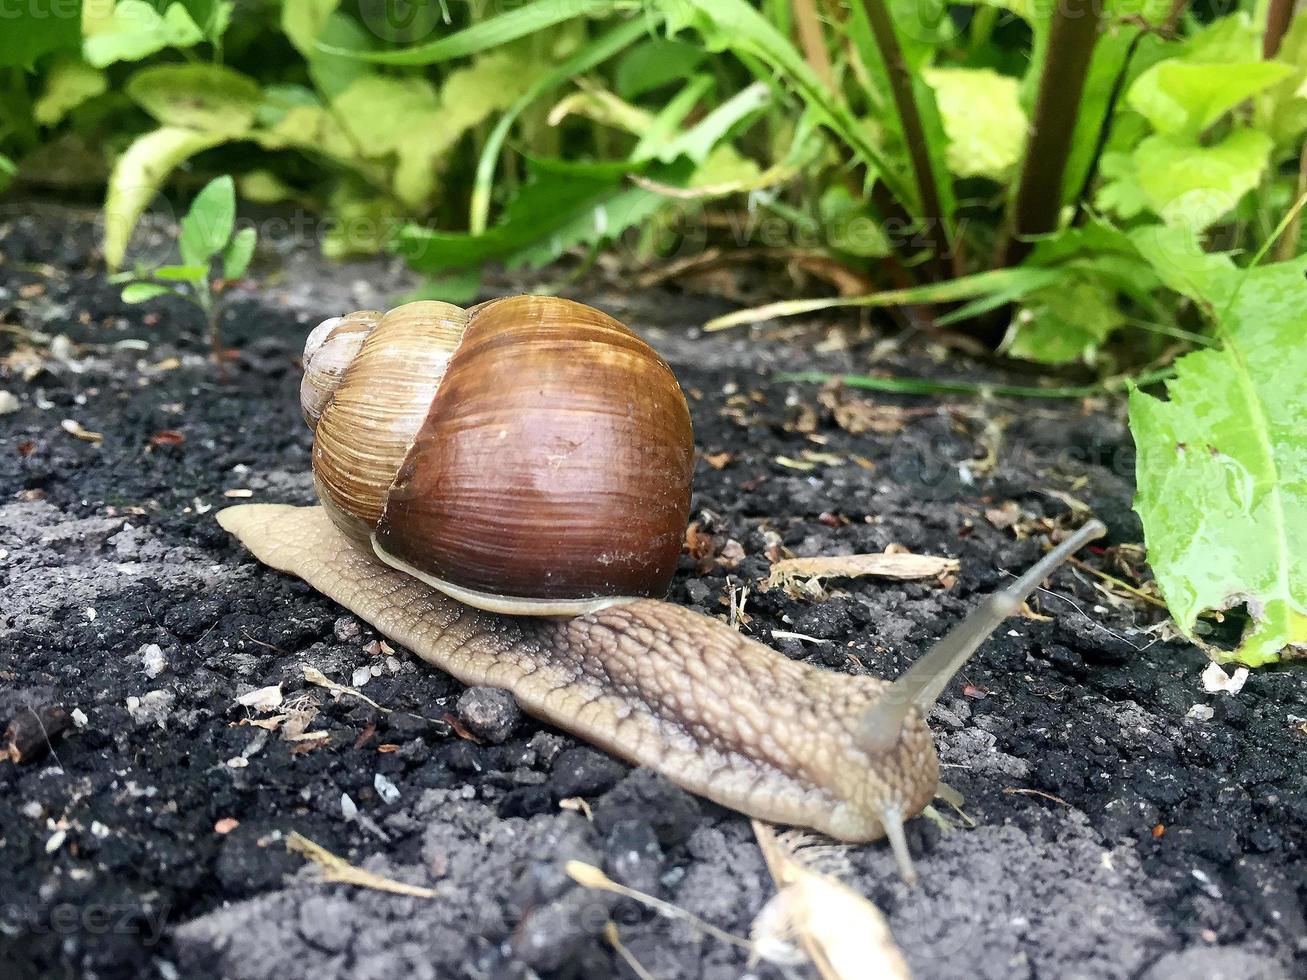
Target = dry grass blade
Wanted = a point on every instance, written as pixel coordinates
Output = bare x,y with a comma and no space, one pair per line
588,876
337,869
614,939
317,677
842,933
902,566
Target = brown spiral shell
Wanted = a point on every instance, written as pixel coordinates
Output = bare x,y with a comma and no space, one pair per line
529,455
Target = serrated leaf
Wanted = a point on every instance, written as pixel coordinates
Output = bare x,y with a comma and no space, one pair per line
204,97
1195,186
239,252
983,120
69,83
136,30
140,292
137,176
1221,470
1184,98
207,227
1065,322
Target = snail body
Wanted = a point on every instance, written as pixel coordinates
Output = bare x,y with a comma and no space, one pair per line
589,648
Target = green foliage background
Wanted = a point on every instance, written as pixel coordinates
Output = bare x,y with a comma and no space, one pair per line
886,138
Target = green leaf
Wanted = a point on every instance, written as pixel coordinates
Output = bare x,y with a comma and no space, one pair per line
655,63
365,221
140,292
562,205
181,273
33,29
1195,186
849,226
236,259
302,22
1065,322
136,30
983,120
491,33
137,176
1221,471
1184,99
207,227
580,61
197,96
69,83
733,25
331,73
1120,193
719,124
7,171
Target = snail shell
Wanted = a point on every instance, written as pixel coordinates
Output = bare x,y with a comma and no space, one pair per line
530,455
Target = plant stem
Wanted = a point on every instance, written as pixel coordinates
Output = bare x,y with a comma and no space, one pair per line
1278,15
1105,131
212,313
1038,201
1287,247
914,133
807,24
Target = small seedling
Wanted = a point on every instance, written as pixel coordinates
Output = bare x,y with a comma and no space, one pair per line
208,232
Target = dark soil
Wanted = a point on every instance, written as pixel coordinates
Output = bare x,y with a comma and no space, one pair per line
1116,836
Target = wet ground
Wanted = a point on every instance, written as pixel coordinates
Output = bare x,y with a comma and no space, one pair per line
1120,832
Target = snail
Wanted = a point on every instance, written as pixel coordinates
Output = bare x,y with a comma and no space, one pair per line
448,444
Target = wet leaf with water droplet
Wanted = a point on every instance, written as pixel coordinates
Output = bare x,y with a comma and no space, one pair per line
1222,464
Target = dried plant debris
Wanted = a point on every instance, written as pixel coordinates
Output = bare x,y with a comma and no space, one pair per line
815,915
337,869
32,732
802,577
588,876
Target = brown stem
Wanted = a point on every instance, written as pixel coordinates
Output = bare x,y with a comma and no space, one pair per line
1287,247
1038,201
215,343
1278,15
914,133
812,41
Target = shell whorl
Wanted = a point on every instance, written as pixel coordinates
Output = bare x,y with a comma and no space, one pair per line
371,383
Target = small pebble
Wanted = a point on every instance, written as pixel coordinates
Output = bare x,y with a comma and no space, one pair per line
152,659
347,629
489,713
387,790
